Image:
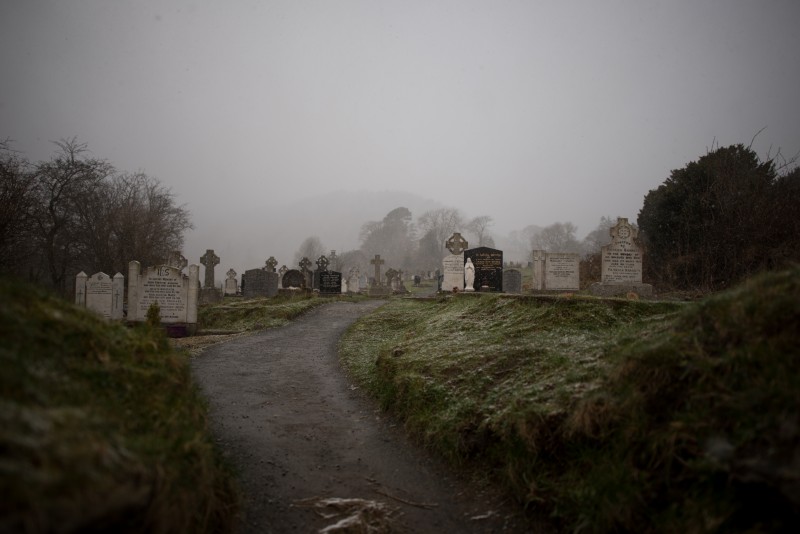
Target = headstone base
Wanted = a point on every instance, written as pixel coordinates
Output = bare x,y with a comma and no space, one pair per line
380,291
293,292
615,290
210,295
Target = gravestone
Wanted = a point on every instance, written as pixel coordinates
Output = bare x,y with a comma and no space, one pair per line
537,266
456,244
209,261
488,264
294,279
562,271
322,265
555,271
281,272
621,266
353,282
453,272
377,288
330,282
260,283
391,278
453,264
175,293
305,265
101,294
377,262
231,287
512,281
270,264
209,294
254,283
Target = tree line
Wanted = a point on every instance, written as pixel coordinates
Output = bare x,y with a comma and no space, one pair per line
75,212
711,224
418,246
721,219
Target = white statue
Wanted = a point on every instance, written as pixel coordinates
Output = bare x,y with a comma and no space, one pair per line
469,275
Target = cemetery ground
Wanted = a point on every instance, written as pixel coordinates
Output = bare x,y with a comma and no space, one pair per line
605,414
600,414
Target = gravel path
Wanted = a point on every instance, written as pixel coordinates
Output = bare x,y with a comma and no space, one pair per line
308,444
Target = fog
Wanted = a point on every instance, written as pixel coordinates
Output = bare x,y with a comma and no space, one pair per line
275,121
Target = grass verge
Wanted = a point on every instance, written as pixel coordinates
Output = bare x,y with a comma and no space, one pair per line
242,315
101,427
608,415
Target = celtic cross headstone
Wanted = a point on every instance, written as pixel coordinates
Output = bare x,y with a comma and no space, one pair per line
209,261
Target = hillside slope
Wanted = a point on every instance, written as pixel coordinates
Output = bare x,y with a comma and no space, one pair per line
101,427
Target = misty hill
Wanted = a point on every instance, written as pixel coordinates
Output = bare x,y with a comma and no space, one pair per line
246,238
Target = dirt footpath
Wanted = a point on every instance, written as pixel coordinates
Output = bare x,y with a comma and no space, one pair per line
314,454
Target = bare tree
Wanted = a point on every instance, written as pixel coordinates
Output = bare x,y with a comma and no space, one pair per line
311,248
479,227
17,199
558,237
131,216
440,224
63,184
598,237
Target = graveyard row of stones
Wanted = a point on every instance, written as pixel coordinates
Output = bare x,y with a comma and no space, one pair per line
464,269
481,269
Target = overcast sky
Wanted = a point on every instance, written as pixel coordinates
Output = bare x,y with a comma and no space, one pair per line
531,112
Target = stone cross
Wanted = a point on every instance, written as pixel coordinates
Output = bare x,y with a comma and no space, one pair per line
271,263
209,260
176,259
377,262
231,274
305,263
456,244
322,263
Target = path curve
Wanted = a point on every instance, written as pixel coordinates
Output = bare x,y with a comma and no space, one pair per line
287,417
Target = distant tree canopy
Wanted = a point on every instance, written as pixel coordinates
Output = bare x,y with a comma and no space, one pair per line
558,237
720,219
311,248
76,213
392,238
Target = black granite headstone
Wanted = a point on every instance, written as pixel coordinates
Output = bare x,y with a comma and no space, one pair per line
330,282
488,264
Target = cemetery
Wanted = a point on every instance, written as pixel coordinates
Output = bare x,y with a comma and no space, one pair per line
575,357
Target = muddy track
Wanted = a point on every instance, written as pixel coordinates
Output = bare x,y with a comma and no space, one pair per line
304,440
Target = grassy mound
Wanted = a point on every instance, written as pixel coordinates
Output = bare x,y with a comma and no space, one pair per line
609,415
101,428
257,314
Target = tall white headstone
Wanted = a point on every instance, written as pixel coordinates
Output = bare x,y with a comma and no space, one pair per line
453,271
621,267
